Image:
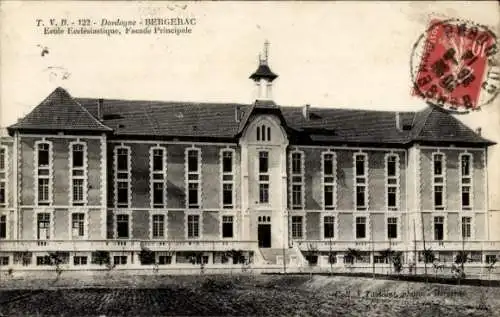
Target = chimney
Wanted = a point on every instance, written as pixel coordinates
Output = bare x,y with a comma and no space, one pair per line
478,131
100,110
305,111
237,114
398,121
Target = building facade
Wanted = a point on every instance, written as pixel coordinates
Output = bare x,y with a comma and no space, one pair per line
284,185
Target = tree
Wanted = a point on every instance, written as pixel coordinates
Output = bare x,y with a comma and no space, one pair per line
458,269
57,259
387,255
490,268
196,257
351,255
397,262
429,257
312,256
437,266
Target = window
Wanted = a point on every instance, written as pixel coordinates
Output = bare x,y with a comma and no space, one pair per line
158,226
263,162
122,226
392,181
122,199
4,260
360,178
392,228
158,194
466,180
466,227
193,195
43,260
296,227
360,227
227,226
227,178
43,154
193,226
297,179
296,196
263,177
164,259
43,191
78,173
439,228
120,260
3,227
3,176
43,225
263,193
329,181
439,180
122,177
227,195
78,225
43,173
192,161
328,227
158,176
193,176
3,196
3,159
263,133
79,260
77,192
438,196
491,258
438,164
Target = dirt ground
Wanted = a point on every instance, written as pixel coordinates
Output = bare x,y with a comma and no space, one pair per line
224,295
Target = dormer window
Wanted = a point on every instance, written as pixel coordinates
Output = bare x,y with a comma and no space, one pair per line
263,133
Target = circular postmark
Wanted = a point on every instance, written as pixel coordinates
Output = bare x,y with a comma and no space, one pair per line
454,66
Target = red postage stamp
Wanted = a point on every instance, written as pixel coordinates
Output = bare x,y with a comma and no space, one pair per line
456,66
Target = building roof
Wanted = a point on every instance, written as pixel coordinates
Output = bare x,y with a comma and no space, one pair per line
228,120
263,71
59,111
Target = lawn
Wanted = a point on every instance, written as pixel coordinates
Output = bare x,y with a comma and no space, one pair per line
260,295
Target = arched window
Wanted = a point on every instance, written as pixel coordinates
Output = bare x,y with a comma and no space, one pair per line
263,133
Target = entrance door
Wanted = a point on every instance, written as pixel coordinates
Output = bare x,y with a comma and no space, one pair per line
264,235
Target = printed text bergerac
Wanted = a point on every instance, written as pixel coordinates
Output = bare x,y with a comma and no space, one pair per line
143,26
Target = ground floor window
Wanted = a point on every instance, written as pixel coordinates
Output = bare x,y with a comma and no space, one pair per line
79,260
43,260
120,260
23,258
491,258
379,259
4,260
164,259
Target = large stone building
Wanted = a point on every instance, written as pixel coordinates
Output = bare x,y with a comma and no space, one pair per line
281,184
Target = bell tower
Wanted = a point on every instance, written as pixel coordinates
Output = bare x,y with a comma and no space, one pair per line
263,76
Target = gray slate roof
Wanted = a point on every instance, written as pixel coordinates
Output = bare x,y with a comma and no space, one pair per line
226,120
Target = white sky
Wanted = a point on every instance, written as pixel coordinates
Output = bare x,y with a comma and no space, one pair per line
339,54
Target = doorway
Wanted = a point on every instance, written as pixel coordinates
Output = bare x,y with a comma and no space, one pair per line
264,235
